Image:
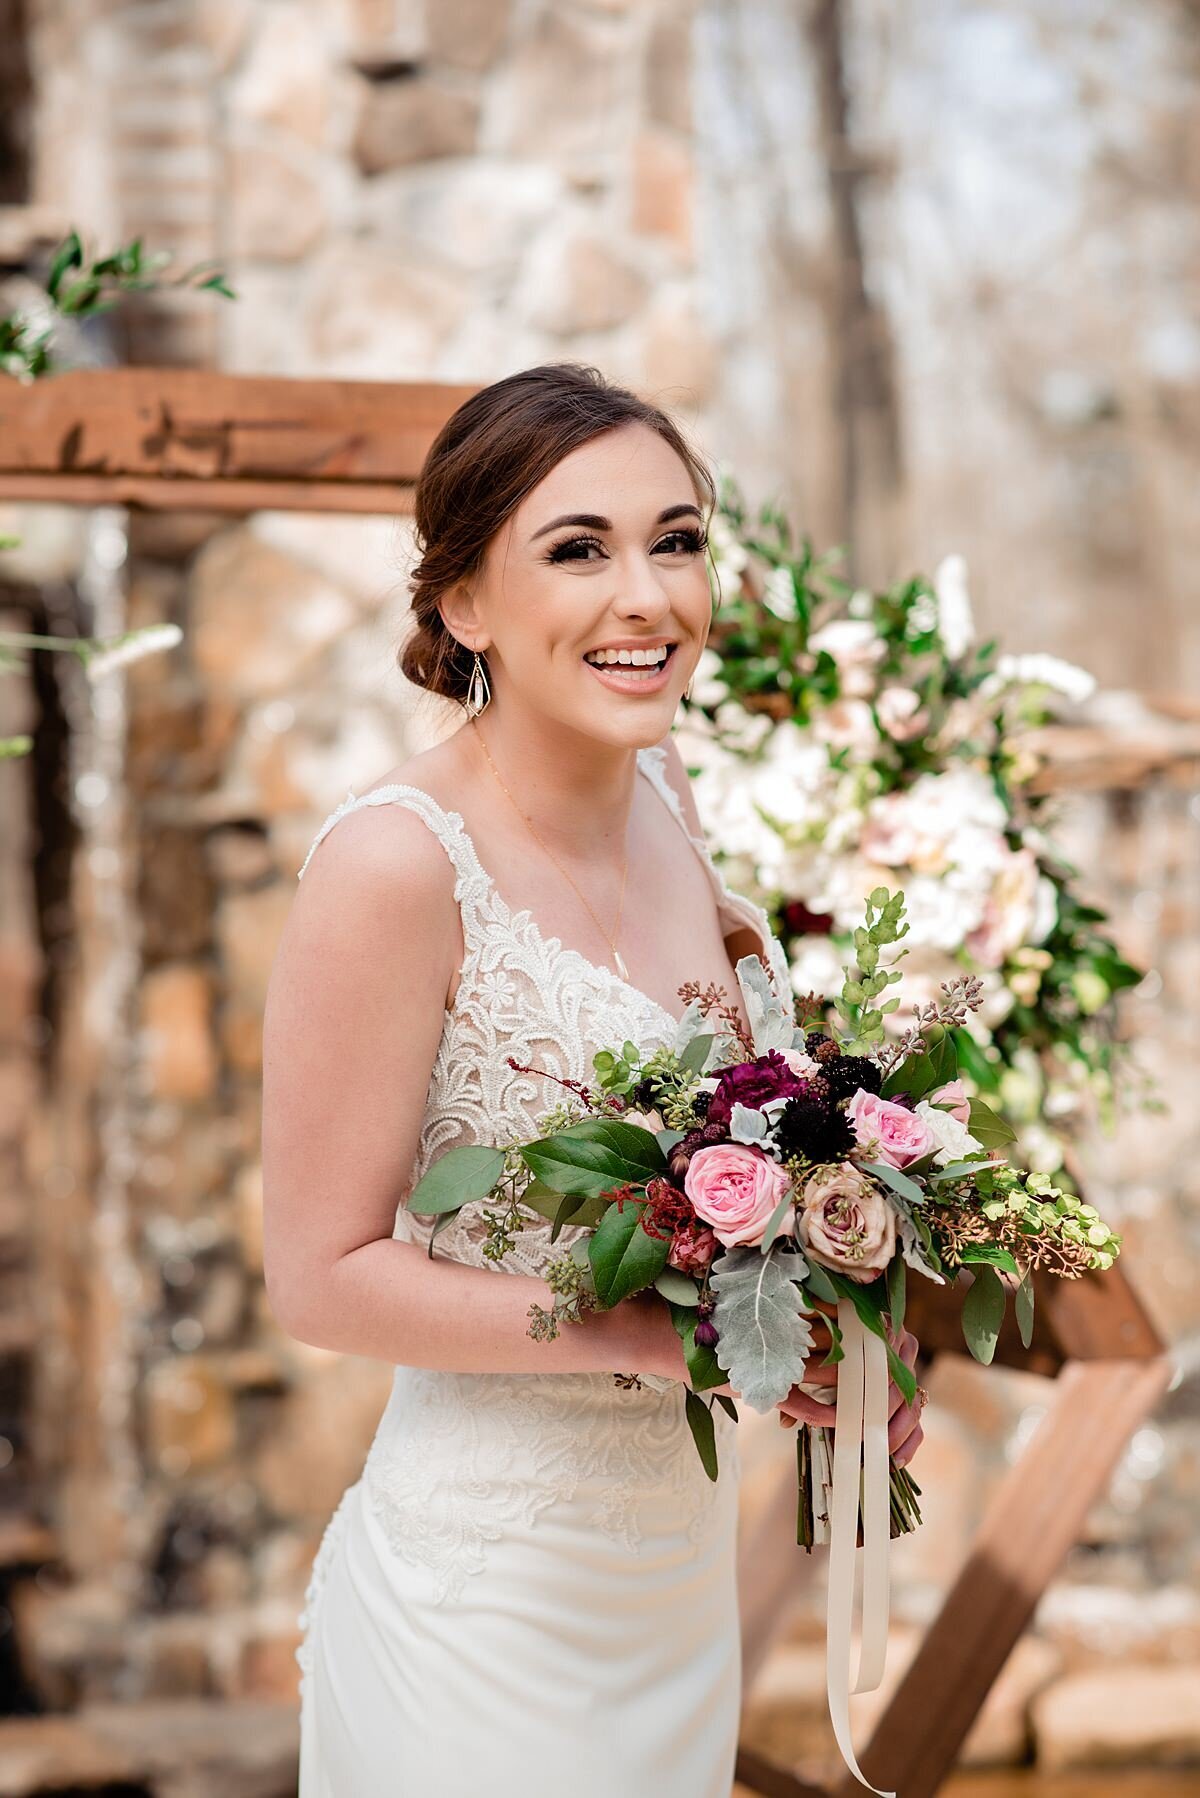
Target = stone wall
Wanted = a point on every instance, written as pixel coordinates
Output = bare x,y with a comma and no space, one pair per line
918,270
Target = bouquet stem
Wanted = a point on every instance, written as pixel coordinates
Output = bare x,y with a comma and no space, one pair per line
814,1475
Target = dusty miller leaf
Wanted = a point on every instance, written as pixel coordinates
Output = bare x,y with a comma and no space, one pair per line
771,1026
764,1334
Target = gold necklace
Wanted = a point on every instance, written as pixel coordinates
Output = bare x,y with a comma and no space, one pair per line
622,970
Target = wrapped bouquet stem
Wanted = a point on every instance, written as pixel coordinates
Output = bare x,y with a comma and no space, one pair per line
776,1188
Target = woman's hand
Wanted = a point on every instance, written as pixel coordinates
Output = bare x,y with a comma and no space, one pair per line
904,1421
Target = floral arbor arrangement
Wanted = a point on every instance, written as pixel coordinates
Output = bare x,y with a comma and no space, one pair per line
841,739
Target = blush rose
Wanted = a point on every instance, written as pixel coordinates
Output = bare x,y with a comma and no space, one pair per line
846,1223
887,1131
735,1188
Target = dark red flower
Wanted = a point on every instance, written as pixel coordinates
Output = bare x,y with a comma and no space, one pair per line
752,1083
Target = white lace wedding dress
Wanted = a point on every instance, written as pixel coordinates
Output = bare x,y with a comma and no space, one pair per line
531,1587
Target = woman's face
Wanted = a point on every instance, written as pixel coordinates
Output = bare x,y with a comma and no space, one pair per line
606,552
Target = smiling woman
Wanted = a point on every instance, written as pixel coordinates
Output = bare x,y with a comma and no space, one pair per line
523,1524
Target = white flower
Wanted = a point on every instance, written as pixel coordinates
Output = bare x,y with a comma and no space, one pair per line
901,713
779,593
954,1140
729,555
847,724
1075,683
956,626
708,688
856,647
1009,911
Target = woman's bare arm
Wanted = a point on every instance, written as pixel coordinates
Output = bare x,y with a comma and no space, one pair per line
352,1024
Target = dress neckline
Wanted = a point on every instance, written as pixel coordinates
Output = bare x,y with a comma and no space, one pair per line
553,945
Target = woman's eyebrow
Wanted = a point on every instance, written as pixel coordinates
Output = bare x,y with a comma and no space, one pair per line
594,521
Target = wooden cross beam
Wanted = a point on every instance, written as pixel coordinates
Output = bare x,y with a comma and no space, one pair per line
1111,1370
183,439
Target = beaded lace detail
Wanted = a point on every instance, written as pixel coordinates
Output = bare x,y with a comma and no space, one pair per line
460,1459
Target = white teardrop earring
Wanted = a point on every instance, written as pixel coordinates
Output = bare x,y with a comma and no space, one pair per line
479,692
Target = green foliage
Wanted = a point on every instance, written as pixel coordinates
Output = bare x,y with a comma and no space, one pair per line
79,289
592,1157
456,1178
700,1422
862,986
704,1370
983,1313
624,1258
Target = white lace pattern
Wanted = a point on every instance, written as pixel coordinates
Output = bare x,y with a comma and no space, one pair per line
458,1459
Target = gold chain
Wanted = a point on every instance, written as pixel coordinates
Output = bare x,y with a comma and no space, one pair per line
611,940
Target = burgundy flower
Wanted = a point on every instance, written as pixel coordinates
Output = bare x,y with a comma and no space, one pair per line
752,1084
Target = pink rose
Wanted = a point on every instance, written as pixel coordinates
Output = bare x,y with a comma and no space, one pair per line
693,1248
953,1095
846,1222
887,1131
735,1188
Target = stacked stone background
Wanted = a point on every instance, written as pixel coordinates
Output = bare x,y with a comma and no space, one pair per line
924,273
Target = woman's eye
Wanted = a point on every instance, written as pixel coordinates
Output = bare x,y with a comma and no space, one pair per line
574,549
693,540
565,551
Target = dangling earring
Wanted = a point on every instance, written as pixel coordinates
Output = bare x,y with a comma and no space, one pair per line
479,692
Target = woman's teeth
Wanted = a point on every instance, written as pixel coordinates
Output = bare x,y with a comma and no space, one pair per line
632,667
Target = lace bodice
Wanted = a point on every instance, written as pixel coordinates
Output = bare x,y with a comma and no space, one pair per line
524,995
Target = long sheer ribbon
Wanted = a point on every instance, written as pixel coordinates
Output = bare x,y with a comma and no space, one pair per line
860,1437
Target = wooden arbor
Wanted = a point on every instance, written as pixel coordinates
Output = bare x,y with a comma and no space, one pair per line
179,440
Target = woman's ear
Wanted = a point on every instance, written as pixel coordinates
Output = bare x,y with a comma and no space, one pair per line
460,615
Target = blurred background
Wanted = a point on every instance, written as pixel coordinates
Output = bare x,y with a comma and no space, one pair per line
928,276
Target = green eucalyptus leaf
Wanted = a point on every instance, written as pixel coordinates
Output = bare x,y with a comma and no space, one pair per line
439,1224
695,1054
1023,1306
819,1284
896,1292
983,1313
987,1127
899,1182
700,1422
680,1288
776,1218
456,1178
991,1252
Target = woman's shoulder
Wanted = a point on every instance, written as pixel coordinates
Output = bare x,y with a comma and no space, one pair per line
390,842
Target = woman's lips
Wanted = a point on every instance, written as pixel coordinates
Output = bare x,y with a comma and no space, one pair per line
618,678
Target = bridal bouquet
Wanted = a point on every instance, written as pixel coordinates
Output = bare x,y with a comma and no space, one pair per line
760,1183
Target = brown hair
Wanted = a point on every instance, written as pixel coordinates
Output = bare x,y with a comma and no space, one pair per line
487,456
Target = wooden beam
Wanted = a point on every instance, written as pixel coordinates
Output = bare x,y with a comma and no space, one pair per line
148,493
183,437
1037,1512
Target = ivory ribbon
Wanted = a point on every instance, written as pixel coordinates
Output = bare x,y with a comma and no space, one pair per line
860,1433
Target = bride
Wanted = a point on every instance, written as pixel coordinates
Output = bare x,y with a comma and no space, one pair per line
531,1586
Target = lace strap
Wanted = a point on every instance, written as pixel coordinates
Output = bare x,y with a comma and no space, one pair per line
471,883
737,906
